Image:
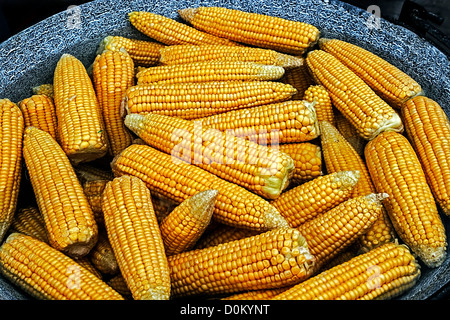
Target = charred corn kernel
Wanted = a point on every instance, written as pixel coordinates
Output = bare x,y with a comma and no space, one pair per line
299,78
314,197
382,273
349,132
395,169
30,221
46,273
170,31
183,54
252,28
210,71
89,172
143,53
39,111
222,234
67,214
162,206
178,180
102,255
265,294
352,96
389,82
113,74
134,235
81,129
269,260
307,160
196,100
11,133
181,229
261,169
284,122
428,129
323,106
93,190
339,155
45,89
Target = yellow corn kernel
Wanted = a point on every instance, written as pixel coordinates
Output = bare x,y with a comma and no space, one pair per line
93,189
307,160
45,89
39,111
30,221
349,132
221,234
299,78
323,106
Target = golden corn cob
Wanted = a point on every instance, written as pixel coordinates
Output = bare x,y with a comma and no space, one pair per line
143,53
183,54
323,106
181,229
389,82
269,260
252,28
348,131
210,71
30,221
39,111
284,122
171,32
46,273
307,160
102,255
314,197
427,126
263,170
382,273
396,170
11,133
222,234
135,238
300,79
196,100
45,89
93,190
86,263
265,294
178,180
119,284
81,129
352,96
113,74
68,216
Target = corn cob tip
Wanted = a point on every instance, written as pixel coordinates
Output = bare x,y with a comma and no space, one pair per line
322,41
289,61
187,13
273,219
377,197
102,45
348,178
202,202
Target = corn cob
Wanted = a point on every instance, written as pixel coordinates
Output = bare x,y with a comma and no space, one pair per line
135,238
252,28
428,129
143,53
389,82
93,190
39,111
113,74
45,89
81,129
102,255
314,197
269,260
119,284
210,71
339,155
89,172
181,229
222,234
348,253
307,160
395,169
299,78
183,54
86,263
196,100
323,106
348,131
171,32
46,273
68,216
265,294
260,169
284,122
178,180
30,221
382,273
367,112
11,133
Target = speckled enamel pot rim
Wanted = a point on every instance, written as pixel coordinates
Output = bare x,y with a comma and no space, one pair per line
29,58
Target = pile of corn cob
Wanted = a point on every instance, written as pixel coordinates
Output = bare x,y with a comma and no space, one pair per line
328,190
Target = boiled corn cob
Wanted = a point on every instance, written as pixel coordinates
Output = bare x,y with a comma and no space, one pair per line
81,129
181,229
254,29
39,111
323,106
382,273
196,100
352,96
349,132
395,169
178,180
11,133
389,82
171,32
265,294
269,260
30,221
428,129
307,160
46,273
223,234
261,169
68,216
93,190
135,238
299,78
143,53
45,89
210,71
314,197
102,255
